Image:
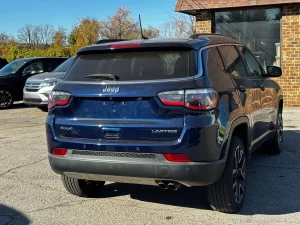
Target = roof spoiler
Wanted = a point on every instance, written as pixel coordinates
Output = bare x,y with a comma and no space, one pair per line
103,41
195,36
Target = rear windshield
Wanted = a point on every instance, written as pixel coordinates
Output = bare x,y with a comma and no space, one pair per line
127,66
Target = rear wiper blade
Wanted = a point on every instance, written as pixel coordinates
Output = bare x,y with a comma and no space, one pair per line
102,77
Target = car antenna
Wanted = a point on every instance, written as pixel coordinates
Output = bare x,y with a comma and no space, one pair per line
142,28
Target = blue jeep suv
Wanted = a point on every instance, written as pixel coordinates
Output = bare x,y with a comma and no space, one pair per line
165,112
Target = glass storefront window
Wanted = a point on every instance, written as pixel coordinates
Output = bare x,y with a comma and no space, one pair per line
258,29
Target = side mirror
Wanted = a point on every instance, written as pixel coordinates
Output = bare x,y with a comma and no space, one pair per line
274,71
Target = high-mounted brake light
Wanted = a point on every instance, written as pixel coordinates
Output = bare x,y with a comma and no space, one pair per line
58,98
119,46
177,158
59,151
197,99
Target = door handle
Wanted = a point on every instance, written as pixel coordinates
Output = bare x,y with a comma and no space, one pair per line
242,88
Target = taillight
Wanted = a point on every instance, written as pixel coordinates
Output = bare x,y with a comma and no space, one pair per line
59,151
176,158
58,98
175,98
201,99
196,99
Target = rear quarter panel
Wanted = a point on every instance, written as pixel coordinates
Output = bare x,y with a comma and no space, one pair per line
229,109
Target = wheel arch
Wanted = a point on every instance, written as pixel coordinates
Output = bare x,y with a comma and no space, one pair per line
238,128
15,92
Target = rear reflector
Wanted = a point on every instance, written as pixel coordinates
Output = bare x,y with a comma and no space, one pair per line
124,46
177,158
59,151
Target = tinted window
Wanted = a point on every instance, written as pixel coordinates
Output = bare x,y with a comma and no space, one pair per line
54,63
252,64
34,68
233,61
13,66
65,65
128,66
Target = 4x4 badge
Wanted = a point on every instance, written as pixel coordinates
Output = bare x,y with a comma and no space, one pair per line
111,89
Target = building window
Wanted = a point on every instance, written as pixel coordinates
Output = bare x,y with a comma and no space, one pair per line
258,29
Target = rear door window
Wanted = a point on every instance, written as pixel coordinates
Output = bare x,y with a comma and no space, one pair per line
127,66
233,61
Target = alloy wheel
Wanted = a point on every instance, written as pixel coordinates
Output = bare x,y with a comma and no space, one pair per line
5,99
239,174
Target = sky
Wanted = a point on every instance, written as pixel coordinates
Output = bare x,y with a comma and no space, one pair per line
65,13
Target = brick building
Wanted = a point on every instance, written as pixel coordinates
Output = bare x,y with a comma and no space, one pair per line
270,29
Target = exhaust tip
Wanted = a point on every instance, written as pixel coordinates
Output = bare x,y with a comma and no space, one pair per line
174,186
162,185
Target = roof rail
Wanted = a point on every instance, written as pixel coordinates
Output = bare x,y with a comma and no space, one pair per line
108,40
195,36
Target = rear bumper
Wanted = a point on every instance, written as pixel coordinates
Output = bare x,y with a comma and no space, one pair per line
137,170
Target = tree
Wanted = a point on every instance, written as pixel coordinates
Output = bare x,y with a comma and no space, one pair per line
35,36
179,25
25,35
151,32
59,37
120,26
72,38
85,33
46,33
4,38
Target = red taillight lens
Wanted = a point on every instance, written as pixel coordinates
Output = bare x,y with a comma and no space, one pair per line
198,99
201,99
59,151
177,158
172,98
119,46
58,98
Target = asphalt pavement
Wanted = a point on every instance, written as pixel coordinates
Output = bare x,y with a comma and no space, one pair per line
30,193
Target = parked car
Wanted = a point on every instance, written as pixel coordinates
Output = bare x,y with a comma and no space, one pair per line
3,62
14,75
38,87
183,112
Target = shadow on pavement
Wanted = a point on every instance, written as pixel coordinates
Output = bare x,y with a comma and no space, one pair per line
274,181
9,216
193,197
272,188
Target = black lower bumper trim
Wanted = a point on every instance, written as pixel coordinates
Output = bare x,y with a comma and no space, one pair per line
189,174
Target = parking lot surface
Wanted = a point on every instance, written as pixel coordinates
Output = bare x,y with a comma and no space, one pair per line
30,193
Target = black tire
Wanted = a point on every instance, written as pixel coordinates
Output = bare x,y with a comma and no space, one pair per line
275,144
223,195
83,188
6,98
